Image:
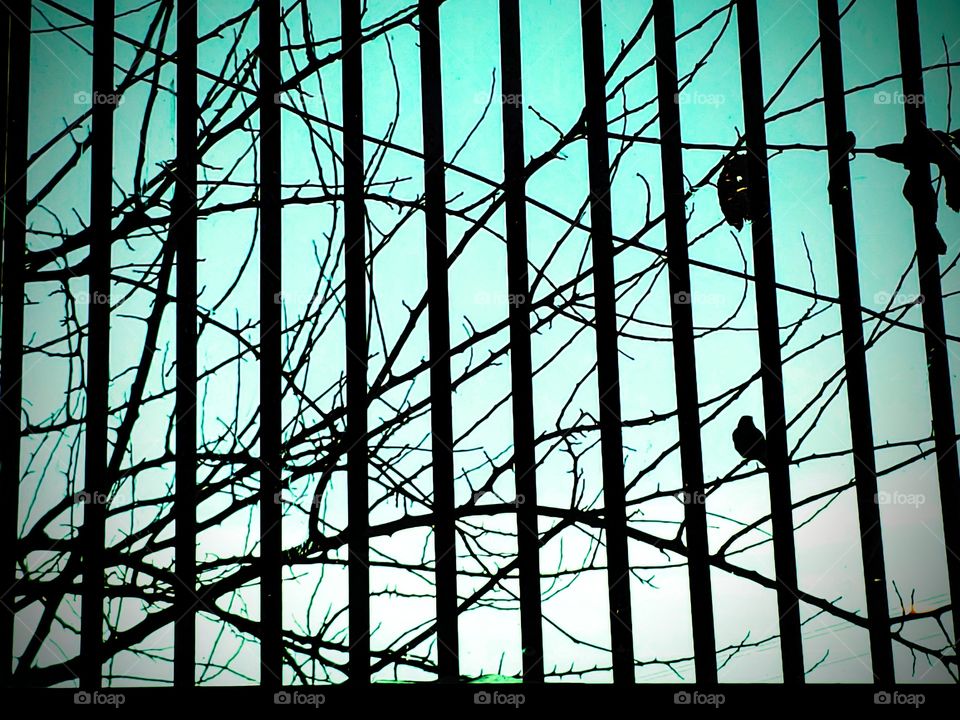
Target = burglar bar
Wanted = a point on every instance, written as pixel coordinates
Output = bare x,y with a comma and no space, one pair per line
928,267
15,24
184,235
96,482
521,364
271,558
781,506
684,358
441,409
855,356
608,370
356,329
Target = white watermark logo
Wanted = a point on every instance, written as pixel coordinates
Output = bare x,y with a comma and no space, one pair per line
899,698
696,697
498,698
285,697
97,697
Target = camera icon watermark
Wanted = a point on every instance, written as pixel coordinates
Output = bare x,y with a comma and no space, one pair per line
885,298
684,297
311,699
99,698
486,298
82,97
899,498
481,98
685,697
899,698
689,97
883,97
516,502
485,697
91,498
96,298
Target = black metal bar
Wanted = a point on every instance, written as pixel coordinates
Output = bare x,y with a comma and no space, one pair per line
608,368
16,22
183,230
684,358
96,482
357,353
855,356
771,370
441,406
271,358
521,364
934,326
5,100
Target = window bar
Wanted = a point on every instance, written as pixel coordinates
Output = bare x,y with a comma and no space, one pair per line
15,21
96,482
357,352
521,364
183,230
781,505
271,557
608,370
439,330
938,362
858,391
684,359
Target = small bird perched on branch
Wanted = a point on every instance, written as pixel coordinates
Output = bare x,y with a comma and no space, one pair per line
749,441
935,147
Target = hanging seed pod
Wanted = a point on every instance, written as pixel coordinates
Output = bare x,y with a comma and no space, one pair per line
733,191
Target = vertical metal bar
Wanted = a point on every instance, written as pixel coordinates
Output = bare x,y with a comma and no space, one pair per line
356,330
521,364
938,361
608,368
855,356
97,484
441,405
781,506
684,358
183,230
16,22
271,359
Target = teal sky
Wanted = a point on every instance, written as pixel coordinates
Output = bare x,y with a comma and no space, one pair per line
575,599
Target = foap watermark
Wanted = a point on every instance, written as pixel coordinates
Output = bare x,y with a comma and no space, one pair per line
885,298
684,697
897,98
99,698
900,498
485,697
95,298
899,698
688,97
482,98
517,501
91,498
82,97
693,498
278,499
701,298
487,298
285,697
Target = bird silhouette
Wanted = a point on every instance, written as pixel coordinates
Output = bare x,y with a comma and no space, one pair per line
749,441
733,191
939,148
